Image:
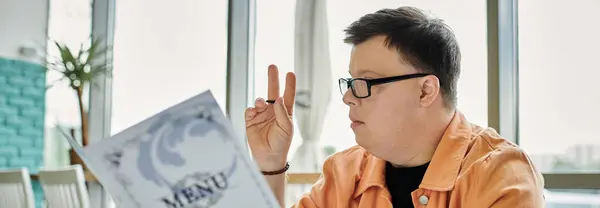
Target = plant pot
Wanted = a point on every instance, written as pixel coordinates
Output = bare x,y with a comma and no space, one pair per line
76,160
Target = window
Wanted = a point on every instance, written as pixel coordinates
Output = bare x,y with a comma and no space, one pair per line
558,87
164,53
467,19
69,23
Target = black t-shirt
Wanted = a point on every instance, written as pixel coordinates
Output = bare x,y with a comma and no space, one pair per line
401,181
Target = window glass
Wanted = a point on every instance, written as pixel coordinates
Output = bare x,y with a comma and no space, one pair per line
274,44
164,53
69,23
558,86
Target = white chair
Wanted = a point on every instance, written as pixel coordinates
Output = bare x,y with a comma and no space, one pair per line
15,189
64,187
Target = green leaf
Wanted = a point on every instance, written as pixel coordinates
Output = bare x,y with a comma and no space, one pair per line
83,67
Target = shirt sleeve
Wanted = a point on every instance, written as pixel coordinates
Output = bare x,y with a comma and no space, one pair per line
506,178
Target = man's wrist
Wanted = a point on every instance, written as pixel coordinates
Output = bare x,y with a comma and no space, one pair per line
272,164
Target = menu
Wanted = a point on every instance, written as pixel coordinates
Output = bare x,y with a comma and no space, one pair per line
186,156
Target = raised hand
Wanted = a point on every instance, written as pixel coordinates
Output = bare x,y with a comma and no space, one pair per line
269,126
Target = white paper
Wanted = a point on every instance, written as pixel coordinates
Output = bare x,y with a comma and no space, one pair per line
186,156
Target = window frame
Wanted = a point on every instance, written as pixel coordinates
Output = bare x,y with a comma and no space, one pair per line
240,70
100,99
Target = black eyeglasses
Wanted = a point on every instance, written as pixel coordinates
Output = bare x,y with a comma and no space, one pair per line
361,87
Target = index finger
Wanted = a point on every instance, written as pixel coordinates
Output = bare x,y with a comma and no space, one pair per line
273,87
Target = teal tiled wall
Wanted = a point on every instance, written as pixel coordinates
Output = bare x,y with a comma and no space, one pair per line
22,106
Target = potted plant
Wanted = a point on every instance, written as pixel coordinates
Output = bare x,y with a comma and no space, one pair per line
80,68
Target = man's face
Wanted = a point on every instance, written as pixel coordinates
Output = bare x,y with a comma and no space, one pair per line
387,121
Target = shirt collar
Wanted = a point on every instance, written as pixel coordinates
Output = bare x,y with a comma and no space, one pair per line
447,159
443,168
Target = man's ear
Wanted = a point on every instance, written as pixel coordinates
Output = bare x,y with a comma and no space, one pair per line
430,89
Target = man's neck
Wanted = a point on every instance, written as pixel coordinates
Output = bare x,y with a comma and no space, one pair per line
432,135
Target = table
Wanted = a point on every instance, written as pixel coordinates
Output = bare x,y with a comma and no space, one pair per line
293,178
89,176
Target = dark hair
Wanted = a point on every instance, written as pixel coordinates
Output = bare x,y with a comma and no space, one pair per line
426,43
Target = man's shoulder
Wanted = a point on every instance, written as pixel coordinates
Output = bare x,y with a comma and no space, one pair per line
486,141
497,171
487,149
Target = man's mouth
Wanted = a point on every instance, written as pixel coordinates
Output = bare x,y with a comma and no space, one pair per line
355,123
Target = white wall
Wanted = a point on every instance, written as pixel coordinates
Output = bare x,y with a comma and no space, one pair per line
22,22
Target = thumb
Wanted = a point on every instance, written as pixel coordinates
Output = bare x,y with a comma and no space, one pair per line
281,114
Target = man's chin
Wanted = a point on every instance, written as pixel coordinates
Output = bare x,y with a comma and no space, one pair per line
363,140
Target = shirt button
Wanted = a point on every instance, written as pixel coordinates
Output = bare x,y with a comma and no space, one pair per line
423,200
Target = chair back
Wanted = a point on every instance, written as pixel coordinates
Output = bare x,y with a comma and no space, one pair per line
65,187
15,188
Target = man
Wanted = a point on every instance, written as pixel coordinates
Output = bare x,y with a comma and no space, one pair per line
414,147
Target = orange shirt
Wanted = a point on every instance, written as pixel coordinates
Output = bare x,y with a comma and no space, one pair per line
472,167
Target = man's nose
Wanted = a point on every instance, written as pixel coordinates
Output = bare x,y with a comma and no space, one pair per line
349,98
